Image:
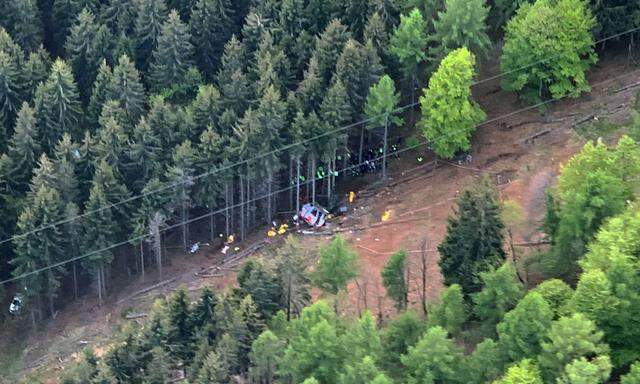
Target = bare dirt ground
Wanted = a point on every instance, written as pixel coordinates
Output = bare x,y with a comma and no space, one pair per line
417,201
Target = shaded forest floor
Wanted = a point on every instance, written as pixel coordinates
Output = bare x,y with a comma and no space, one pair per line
417,200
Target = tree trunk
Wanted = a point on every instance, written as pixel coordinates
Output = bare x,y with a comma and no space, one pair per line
384,150
226,209
297,184
413,97
361,144
99,287
269,205
185,225
75,281
313,178
233,205
423,267
242,208
289,284
212,225
142,259
514,257
291,161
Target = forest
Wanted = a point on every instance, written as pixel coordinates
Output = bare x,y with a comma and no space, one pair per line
126,120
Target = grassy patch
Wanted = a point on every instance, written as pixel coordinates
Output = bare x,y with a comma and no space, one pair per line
595,129
12,360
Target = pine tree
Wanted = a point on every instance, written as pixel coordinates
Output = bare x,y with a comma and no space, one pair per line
180,331
209,159
376,32
143,155
462,24
41,248
57,106
173,54
125,86
157,371
409,42
119,16
111,144
329,46
115,192
24,148
98,235
215,370
336,267
266,352
310,91
206,110
272,66
258,281
211,25
180,176
86,46
290,268
473,243
99,94
150,16
232,78
355,13
24,23
36,70
64,12
358,68
10,94
393,279
164,119
202,314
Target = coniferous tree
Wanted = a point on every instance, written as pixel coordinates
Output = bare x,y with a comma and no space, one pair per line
119,16
98,235
125,86
393,279
100,92
24,148
208,160
180,176
461,24
355,14
116,192
87,44
111,144
143,155
206,110
202,314
150,16
329,46
500,293
41,248
358,68
377,32
336,267
211,25
232,78
450,312
63,14
173,54
36,70
310,91
10,94
57,106
258,281
408,43
266,352
24,24
290,268
179,331
473,243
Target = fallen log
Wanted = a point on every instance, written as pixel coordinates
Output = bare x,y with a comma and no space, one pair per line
531,138
132,316
145,290
532,244
208,275
627,87
584,120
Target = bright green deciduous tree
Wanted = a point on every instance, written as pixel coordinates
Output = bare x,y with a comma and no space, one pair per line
633,377
500,293
524,328
434,359
266,353
570,338
557,293
525,372
401,333
556,35
450,312
393,279
337,265
485,364
449,115
584,371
